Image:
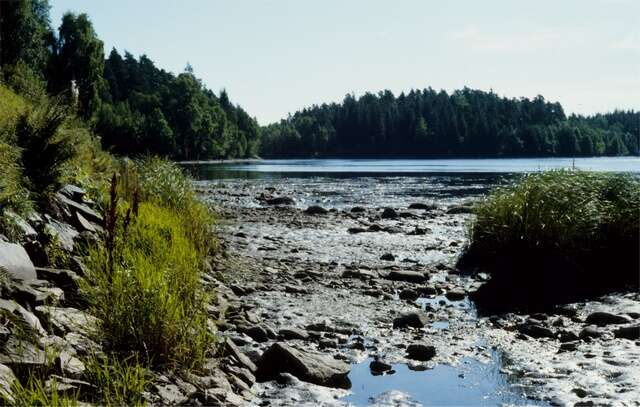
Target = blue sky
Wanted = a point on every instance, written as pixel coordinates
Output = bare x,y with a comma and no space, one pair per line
277,56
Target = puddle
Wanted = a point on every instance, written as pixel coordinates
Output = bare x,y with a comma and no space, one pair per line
440,325
471,383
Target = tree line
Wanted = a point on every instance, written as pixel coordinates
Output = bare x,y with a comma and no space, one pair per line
467,122
135,107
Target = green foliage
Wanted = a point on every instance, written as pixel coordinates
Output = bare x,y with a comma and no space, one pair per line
13,194
118,382
44,150
38,393
570,214
144,282
426,123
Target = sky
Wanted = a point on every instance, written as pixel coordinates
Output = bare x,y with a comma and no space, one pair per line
275,57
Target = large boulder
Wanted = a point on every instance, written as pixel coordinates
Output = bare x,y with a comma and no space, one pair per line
389,213
421,352
310,367
15,261
64,320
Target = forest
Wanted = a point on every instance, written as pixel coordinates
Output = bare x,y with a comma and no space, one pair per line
467,122
135,107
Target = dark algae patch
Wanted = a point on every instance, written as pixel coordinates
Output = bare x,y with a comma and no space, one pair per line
556,237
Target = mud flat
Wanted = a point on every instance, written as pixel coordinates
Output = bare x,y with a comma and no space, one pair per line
360,271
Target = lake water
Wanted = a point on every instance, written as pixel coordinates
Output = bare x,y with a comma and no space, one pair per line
367,167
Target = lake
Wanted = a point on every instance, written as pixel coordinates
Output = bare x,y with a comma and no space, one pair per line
372,167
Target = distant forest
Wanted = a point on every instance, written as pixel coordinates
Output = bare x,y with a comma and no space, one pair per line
467,122
135,107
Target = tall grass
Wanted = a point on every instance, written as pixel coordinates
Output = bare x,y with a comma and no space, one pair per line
144,282
37,393
569,227
118,382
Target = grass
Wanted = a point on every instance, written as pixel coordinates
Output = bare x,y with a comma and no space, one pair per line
144,282
118,382
37,393
561,228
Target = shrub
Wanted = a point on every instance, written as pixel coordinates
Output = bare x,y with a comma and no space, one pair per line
145,287
44,150
557,232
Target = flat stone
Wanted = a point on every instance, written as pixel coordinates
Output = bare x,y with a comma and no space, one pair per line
234,351
65,320
310,367
406,275
65,233
73,192
29,318
360,274
170,394
535,331
414,319
22,355
7,378
65,279
15,261
293,333
606,318
628,332
455,295
81,209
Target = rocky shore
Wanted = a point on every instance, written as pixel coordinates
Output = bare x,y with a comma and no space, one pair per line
321,290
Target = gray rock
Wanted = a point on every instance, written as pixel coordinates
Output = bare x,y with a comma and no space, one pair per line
169,393
242,373
422,206
65,234
414,319
78,208
281,200
360,274
628,332
70,365
456,294
293,333
81,344
73,192
7,378
310,367
64,320
255,332
22,355
591,332
232,350
377,367
606,318
358,209
406,275
65,279
535,331
408,294
25,231
387,257
15,261
221,397
316,210
356,230
418,351
18,310
458,209
389,213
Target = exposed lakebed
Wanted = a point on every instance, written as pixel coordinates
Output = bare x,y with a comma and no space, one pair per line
334,275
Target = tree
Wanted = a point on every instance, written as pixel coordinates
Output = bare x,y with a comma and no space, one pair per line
80,62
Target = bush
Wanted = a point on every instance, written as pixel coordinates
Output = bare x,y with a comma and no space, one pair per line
144,281
555,233
44,150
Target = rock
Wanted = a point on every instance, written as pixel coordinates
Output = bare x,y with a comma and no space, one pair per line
418,351
16,262
456,294
414,319
65,279
568,346
22,356
422,206
389,213
358,209
73,192
242,373
256,332
24,229
628,332
378,367
81,344
65,234
354,231
220,397
406,275
535,331
310,367
293,333
169,393
7,378
429,290
64,320
591,332
387,257
80,209
327,343
70,365
232,350
316,210
361,274
606,318
16,309
281,200
408,294
458,209
295,289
